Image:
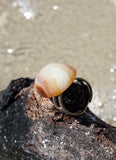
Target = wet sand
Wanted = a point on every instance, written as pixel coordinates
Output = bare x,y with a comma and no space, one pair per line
80,33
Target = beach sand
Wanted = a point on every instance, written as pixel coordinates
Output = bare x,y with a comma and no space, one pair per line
80,33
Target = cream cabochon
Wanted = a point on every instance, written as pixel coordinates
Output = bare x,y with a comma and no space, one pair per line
53,79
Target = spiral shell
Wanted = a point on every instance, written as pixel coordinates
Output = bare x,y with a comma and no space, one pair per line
54,78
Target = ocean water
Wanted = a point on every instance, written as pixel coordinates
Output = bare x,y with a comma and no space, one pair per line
80,33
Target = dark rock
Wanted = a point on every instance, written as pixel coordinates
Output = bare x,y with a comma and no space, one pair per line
29,131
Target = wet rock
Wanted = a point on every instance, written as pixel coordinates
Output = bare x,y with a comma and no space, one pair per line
32,131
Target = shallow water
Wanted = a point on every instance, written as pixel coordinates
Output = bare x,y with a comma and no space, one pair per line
80,33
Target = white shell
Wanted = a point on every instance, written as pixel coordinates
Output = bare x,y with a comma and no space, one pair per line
53,79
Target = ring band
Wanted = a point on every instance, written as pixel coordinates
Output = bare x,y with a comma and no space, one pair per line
58,100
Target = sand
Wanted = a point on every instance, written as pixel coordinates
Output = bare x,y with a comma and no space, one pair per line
80,33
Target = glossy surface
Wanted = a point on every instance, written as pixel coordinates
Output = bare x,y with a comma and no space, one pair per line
53,79
79,33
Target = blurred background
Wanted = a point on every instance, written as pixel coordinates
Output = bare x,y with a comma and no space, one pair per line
80,33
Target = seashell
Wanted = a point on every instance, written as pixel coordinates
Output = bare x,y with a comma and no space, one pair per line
53,79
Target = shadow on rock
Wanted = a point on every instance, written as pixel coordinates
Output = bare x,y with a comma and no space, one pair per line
29,131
